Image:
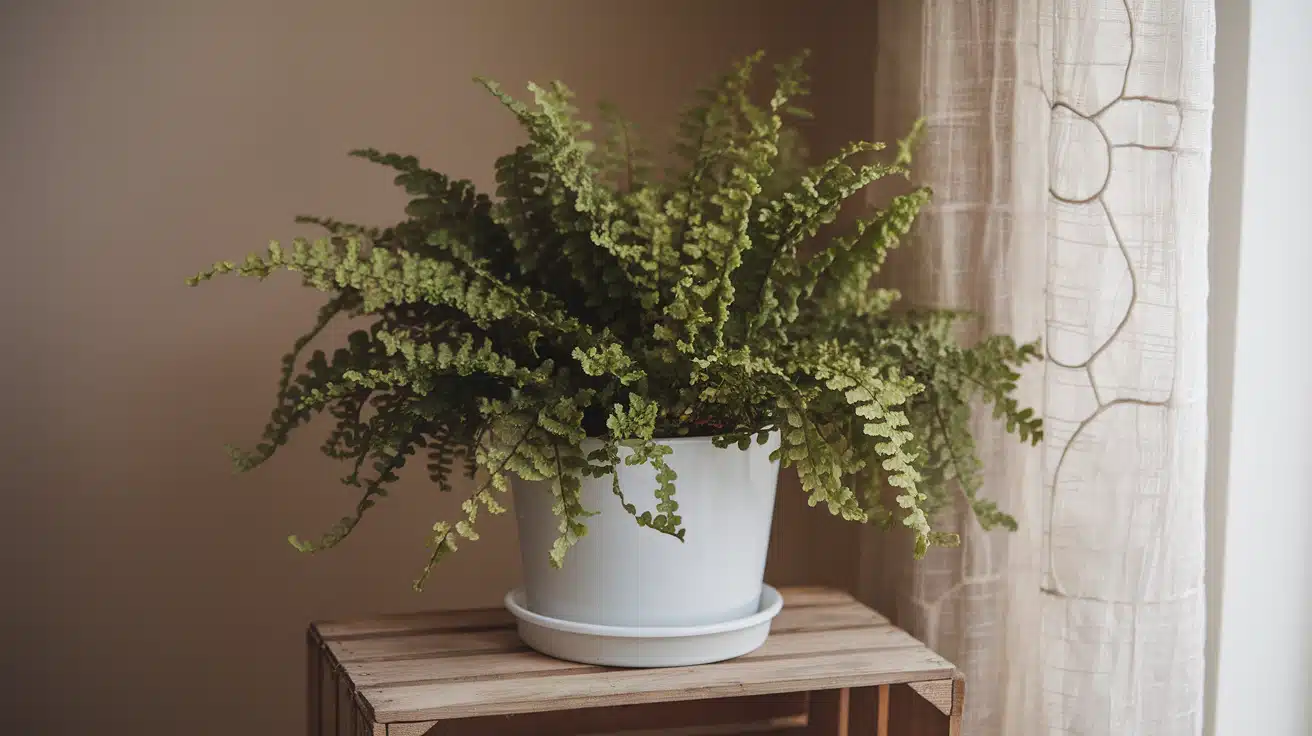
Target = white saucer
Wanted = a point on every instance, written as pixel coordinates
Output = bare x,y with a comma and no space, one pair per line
645,646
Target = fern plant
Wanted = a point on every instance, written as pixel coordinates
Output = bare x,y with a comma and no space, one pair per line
594,298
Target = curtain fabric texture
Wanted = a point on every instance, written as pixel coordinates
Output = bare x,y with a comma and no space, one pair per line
1068,145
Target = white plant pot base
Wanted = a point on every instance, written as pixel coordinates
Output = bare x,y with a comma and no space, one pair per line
645,646
621,574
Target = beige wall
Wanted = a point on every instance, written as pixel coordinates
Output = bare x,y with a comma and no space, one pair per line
147,589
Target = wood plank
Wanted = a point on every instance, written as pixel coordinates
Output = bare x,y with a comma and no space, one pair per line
881,722
413,670
699,716
439,670
345,710
958,704
738,677
790,726
479,642
845,616
794,726
404,729
937,692
828,713
427,622
370,648
420,622
802,595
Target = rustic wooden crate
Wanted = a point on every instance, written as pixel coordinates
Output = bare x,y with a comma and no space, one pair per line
830,666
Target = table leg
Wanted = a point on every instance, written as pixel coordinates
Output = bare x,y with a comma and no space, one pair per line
881,726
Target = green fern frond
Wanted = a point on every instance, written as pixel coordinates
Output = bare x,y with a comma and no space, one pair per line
560,327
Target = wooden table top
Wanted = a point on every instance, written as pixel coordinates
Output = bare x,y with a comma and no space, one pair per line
461,664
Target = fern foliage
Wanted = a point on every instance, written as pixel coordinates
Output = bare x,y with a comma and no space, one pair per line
590,297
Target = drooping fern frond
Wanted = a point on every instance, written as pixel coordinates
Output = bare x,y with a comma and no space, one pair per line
564,325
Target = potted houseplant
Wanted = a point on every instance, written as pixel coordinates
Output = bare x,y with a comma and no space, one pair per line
649,347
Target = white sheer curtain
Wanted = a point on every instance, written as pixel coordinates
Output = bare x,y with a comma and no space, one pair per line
1068,147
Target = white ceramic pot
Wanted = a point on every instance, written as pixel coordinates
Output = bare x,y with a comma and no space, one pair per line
621,574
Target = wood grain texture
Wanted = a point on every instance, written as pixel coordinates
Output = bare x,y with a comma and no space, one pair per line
939,693
799,596
881,721
422,641
958,704
701,716
345,704
500,665
411,623
404,729
757,676
791,725
777,727
432,674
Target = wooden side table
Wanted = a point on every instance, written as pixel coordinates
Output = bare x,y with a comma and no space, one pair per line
830,666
